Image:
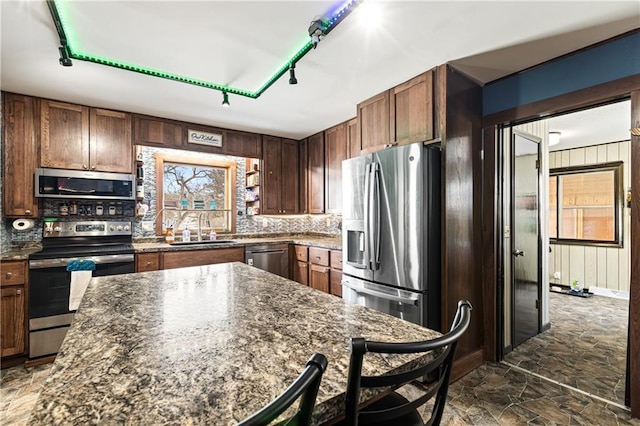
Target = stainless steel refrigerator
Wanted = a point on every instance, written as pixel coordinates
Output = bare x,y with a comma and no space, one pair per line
391,232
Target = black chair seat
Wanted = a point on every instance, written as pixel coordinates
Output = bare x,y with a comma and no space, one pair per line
394,399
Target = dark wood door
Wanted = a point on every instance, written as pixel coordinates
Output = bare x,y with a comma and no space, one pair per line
373,122
289,177
20,156
13,321
110,141
411,110
64,135
353,140
319,277
303,176
335,152
271,176
335,282
242,144
315,196
156,132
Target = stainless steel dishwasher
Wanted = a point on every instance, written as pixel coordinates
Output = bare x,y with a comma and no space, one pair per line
272,258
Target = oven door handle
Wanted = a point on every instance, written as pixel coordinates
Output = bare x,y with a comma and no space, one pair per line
98,260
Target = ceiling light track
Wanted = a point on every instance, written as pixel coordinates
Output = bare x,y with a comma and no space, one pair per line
67,53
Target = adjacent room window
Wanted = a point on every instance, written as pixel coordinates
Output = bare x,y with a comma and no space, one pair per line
585,204
195,194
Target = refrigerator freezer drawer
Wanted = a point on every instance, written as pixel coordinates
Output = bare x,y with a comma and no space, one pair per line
406,305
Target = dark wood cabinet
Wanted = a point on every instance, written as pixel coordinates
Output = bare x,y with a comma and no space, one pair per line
83,138
319,277
303,176
335,275
110,147
411,110
335,151
280,176
20,155
242,144
373,122
300,272
315,173
181,259
13,287
353,141
148,262
64,135
156,132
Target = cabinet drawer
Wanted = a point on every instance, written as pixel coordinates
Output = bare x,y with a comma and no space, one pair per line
336,259
302,253
319,256
13,273
147,262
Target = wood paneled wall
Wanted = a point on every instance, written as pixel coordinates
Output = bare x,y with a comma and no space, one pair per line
603,267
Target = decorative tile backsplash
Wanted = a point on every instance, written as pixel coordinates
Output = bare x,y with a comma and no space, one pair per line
326,224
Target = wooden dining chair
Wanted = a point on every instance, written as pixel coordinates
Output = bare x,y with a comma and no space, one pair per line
394,408
304,387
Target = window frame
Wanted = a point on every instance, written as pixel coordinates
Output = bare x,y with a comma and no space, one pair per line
617,168
230,183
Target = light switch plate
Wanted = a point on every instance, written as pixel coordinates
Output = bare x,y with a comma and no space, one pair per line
265,223
147,225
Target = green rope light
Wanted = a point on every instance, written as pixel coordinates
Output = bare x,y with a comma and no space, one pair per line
69,51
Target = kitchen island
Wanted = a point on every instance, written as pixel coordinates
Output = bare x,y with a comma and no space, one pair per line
206,345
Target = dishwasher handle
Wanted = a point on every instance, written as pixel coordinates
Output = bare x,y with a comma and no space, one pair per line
265,251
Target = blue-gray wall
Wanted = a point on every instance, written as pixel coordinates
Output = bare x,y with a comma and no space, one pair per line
601,64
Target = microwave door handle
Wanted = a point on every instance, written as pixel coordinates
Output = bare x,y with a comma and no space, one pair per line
376,200
390,297
367,212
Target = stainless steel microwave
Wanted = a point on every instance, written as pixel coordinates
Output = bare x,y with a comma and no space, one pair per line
58,183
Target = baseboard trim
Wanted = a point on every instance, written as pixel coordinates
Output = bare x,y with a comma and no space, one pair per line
468,363
40,361
12,362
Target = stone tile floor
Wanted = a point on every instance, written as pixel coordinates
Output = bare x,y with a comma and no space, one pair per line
586,346
590,333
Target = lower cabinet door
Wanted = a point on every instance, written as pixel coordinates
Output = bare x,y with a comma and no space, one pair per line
13,320
335,282
319,277
301,272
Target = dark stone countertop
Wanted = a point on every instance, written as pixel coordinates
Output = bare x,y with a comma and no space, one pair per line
206,345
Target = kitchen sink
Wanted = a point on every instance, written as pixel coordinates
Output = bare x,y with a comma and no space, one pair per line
197,243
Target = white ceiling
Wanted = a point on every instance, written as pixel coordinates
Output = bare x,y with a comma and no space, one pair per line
242,43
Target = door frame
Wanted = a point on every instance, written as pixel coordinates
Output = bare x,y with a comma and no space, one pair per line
580,99
512,134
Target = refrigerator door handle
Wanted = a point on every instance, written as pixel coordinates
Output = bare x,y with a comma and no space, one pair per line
367,216
376,200
398,299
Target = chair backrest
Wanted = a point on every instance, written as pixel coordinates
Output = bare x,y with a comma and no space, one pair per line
304,387
443,349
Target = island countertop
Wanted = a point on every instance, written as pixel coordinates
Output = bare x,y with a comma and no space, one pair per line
206,345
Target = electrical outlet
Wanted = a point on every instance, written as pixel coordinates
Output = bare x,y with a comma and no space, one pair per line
265,223
328,222
147,225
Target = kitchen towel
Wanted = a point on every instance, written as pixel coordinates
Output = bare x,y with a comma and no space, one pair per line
81,272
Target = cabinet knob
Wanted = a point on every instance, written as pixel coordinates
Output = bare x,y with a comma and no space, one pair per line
304,265
27,211
93,168
270,172
284,211
18,292
8,275
84,166
148,263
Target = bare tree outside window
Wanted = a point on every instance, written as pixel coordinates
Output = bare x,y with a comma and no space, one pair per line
196,196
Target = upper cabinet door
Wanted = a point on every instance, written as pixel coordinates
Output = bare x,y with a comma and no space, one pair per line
20,155
271,175
373,122
156,132
64,135
411,111
315,196
289,180
110,141
335,140
242,144
353,141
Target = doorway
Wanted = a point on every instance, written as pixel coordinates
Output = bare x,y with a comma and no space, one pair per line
585,347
